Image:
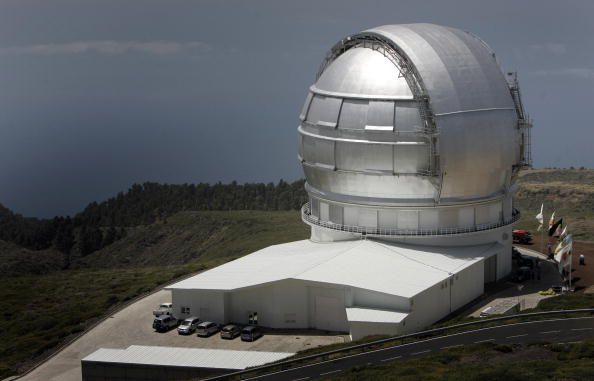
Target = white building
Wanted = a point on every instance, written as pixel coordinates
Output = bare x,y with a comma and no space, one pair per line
411,140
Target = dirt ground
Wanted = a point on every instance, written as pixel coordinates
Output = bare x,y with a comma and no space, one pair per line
581,276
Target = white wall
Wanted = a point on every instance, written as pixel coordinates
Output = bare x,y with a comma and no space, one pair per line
333,299
428,307
206,304
371,299
359,330
282,304
467,285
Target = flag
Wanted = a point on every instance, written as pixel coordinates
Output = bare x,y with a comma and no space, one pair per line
552,220
563,233
555,226
539,217
563,251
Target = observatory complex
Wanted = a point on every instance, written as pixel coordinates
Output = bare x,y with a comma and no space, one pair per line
411,140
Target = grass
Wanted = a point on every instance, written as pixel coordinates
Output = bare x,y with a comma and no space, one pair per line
570,192
486,362
40,312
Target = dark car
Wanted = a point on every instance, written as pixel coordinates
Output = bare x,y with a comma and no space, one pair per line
164,323
515,254
251,333
230,331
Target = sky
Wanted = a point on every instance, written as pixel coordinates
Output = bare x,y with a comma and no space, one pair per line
98,95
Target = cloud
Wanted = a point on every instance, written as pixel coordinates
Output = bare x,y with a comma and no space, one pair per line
109,47
572,72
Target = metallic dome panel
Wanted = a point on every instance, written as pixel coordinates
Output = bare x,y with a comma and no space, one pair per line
363,73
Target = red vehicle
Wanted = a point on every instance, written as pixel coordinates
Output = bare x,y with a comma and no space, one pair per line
522,236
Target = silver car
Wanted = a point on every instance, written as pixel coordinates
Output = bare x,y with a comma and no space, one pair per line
207,328
188,326
164,323
230,331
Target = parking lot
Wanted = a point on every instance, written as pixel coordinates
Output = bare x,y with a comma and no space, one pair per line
133,325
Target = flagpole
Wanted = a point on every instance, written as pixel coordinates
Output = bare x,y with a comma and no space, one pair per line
570,267
542,242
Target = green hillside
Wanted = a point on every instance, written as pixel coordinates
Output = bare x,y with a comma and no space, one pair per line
570,192
62,303
16,260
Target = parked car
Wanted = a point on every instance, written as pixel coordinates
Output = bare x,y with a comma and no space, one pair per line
251,333
522,236
230,331
188,326
164,323
522,274
515,254
207,328
164,309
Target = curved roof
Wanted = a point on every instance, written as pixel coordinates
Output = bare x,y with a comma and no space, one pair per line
459,70
361,72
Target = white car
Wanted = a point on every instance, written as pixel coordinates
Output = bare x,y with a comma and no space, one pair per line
188,325
164,309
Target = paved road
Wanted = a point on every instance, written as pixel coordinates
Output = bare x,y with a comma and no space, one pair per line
557,330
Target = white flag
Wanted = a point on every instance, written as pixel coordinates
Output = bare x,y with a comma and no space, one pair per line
552,220
563,233
563,252
539,217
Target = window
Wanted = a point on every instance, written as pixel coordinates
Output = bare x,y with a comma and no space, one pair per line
185,310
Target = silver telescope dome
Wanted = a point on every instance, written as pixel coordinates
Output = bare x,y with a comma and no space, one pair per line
412,116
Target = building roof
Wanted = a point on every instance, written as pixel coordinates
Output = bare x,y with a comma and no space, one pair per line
378,266
373,315
185,357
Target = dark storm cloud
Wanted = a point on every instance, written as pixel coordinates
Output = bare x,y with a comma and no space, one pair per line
96,95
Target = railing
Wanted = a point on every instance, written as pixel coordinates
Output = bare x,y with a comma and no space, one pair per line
435,332
308,218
